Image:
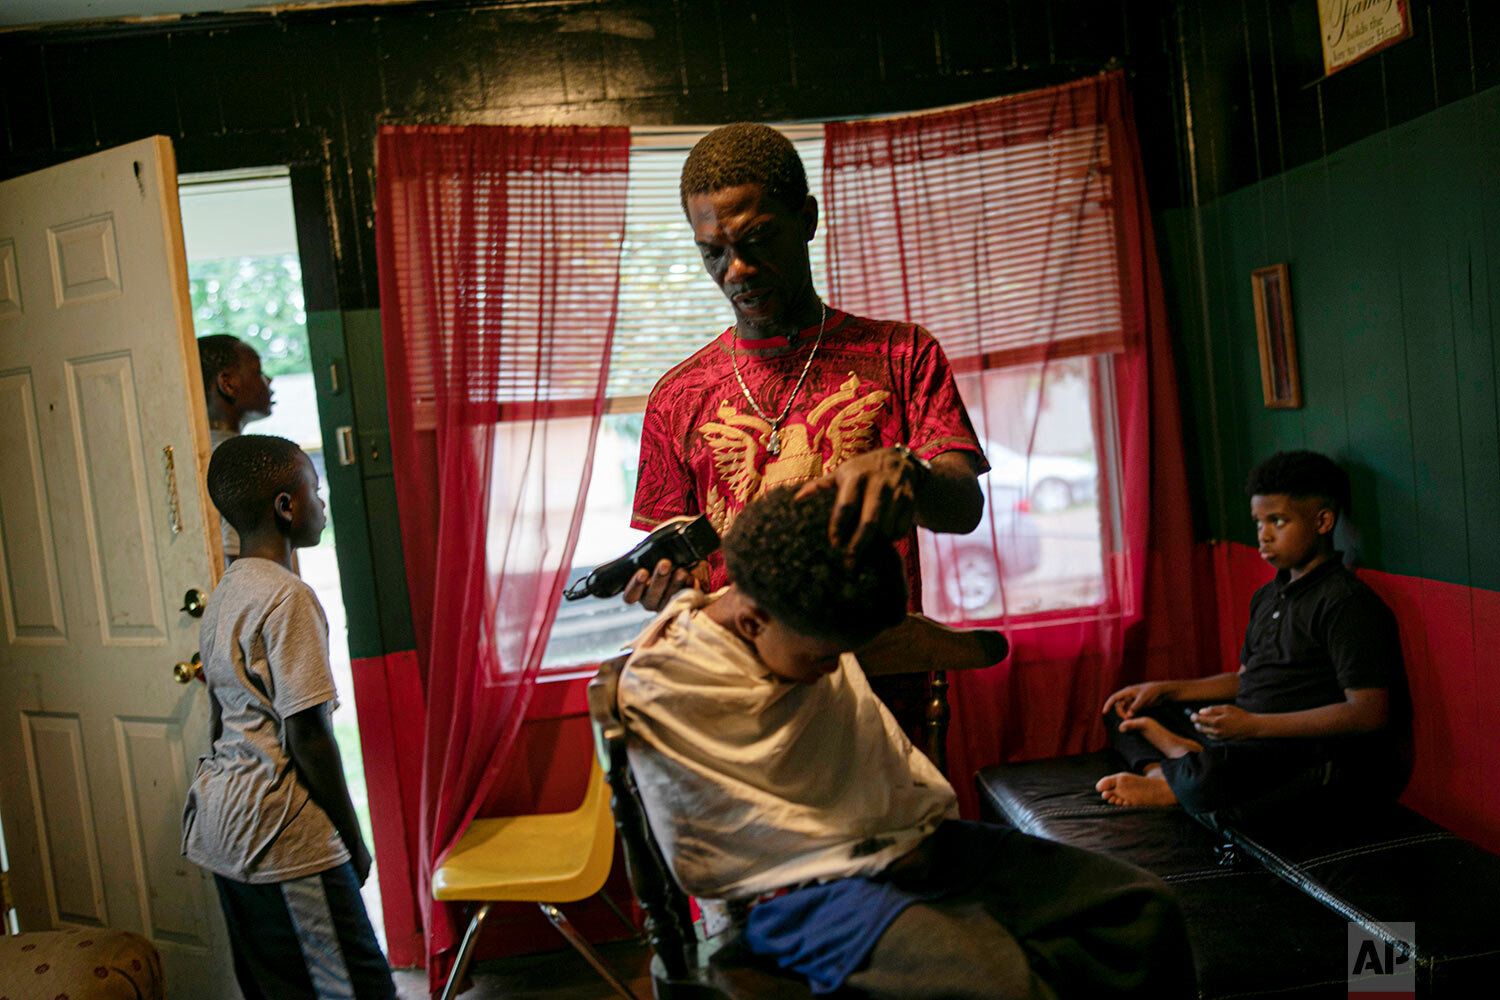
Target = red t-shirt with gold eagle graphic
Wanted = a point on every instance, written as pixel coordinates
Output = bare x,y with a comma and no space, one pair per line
872,384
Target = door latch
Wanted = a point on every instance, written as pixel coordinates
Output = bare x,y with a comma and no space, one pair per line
348,454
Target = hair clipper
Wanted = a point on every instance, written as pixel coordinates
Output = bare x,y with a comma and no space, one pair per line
684,540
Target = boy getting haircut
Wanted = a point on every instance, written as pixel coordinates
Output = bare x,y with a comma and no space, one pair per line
777,552
770,774
1318,710
268,811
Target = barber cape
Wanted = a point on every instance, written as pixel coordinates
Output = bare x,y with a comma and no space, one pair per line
752,783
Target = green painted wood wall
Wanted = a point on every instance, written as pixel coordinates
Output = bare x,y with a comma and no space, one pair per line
1393,244
371,570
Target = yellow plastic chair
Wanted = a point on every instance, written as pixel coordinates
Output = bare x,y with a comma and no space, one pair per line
545,859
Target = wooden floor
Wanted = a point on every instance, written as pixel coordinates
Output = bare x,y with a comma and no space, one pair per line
553,975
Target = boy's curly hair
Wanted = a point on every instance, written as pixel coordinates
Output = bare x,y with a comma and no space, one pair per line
247,472
779,554
217,353
745,153
1301,475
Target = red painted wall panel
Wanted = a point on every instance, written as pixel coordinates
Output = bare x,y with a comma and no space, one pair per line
1453,671
1487,704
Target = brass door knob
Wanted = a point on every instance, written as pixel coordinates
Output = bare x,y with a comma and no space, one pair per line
184,672
193,602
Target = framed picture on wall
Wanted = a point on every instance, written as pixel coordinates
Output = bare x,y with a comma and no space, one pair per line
1354,29
1272,291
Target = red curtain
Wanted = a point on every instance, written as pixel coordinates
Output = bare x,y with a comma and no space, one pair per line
1018,232
499,253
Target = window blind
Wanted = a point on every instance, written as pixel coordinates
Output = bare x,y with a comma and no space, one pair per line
668,305
992,226
505,246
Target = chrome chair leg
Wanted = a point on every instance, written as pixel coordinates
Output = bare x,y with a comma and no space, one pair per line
465,952
615,909
565,928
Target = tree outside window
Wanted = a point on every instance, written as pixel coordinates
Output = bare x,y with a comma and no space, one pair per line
257,299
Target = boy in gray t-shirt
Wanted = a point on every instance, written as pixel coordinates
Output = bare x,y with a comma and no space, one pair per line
269,813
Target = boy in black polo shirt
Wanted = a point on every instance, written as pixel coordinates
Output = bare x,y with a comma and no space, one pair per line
1319,701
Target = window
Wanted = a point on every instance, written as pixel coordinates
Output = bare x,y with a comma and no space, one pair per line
1042,513
993,225
668,309
1040,428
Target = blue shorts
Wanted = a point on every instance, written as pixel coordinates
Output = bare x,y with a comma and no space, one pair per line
304,939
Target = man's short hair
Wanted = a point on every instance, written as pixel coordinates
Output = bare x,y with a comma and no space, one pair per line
1301,475
217,353
247,472
778,553
745,153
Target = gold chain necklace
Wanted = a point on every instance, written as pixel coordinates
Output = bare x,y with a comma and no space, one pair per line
774,444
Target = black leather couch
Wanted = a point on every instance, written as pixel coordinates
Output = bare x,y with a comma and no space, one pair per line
1269,909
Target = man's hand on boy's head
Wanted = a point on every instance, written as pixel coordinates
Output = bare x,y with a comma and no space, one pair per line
877,498
1225,722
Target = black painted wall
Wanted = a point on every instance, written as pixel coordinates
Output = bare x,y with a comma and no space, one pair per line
310,88
235,90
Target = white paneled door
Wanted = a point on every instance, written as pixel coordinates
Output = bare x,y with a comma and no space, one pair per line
103,447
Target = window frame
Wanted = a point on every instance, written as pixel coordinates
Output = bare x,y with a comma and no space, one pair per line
1109,490
1104,425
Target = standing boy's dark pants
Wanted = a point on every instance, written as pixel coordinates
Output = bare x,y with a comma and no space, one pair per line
304,939
1236,780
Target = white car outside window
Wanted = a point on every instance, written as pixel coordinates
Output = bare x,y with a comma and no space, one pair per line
1048,482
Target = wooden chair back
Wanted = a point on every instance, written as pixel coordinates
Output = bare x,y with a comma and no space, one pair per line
669,924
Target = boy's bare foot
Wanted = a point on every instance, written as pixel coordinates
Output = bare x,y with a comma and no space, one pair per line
1127,789
1161,737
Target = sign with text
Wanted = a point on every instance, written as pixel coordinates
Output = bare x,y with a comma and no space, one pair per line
1353,29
